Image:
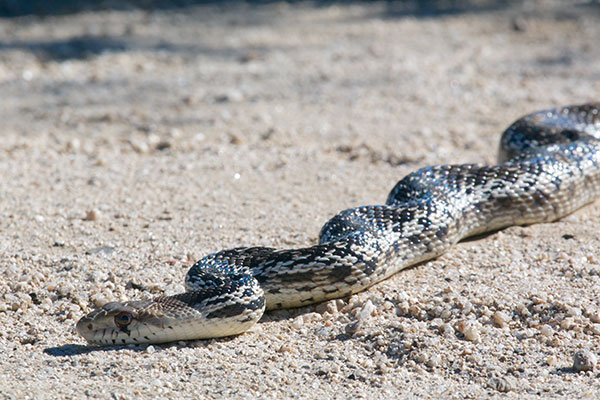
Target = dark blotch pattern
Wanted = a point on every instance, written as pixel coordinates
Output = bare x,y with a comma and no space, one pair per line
232,310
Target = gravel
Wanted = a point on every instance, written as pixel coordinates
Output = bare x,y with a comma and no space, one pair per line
135,141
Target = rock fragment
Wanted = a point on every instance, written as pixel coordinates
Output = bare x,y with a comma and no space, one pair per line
472,334
91,215
584,360
500,319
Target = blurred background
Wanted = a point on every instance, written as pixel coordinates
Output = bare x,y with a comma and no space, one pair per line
55,7
210,67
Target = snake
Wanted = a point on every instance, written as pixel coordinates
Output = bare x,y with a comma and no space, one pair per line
548,167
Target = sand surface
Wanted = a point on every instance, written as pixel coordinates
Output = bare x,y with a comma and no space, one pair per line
135,141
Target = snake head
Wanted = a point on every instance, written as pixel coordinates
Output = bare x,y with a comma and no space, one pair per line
186,316
121,323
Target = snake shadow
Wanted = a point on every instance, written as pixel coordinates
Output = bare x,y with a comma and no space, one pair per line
68,350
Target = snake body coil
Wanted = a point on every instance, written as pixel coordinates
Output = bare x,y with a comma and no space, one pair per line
548,169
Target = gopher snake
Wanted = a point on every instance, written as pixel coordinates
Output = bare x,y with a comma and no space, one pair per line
548,169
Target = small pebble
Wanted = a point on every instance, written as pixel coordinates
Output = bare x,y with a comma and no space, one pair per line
29,338
523,310
73,145
446,314
353,327
567,323
99,300
366,311
502,385
584,360
102,250
163,145
500,319
234,139
231,96
472,334
421,358
434,361
383,367
139,146
416,311
286,349
446,329
330,307
324,331
595,316
461,326
298,322
546,330
153,139
519,24
312,317
150,349
402,308
92,215
573,311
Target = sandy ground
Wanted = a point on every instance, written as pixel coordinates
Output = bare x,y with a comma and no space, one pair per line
135,141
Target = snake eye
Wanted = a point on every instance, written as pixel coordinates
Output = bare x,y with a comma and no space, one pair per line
123,319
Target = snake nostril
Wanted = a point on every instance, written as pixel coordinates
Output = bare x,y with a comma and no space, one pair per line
90,327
